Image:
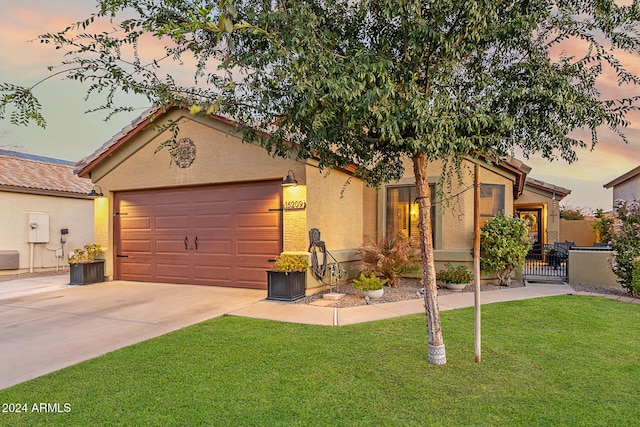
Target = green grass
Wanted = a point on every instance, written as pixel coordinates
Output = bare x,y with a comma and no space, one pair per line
558,361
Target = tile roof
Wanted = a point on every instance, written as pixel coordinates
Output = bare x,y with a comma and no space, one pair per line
21,171
560,191
86,164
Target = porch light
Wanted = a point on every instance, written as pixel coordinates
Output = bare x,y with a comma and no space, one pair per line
94,193
290,180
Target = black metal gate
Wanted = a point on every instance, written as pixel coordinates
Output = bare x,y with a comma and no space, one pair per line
548,261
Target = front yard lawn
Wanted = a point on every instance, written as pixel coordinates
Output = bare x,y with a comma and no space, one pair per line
558,361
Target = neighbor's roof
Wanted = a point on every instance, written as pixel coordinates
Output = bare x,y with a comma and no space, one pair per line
622,178
560,191
28,173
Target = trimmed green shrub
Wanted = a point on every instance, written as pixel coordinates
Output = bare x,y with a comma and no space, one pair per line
289,263
368,283
503,246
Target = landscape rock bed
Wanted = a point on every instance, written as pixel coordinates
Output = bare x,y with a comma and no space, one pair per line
409,289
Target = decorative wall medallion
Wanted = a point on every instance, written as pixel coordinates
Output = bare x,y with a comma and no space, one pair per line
183,153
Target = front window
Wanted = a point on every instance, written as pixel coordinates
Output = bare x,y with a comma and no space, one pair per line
402,213
491,201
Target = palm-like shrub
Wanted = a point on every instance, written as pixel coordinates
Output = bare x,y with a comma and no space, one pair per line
390,258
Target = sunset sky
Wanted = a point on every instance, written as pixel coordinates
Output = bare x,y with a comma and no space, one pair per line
71,134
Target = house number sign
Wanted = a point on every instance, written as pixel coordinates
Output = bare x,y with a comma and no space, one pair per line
295,205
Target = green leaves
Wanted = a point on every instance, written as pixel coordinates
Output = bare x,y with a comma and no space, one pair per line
503,246
368,82
27,109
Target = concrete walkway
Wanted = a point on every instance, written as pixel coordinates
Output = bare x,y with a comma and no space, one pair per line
315,315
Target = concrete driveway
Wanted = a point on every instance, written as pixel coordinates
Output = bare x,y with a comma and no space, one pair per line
48,326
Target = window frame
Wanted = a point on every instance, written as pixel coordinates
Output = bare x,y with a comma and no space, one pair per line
390,211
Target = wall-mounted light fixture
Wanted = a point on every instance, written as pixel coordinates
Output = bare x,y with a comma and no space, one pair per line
290,180
96,191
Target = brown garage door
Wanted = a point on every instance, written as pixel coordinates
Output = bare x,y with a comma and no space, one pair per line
221,235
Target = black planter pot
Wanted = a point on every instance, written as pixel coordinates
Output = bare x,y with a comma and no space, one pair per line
286,286
86,273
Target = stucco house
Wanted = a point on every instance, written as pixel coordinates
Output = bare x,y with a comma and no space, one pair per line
626,186
539,206
214,211
45,212
452,218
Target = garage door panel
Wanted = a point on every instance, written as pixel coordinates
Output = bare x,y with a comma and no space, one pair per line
172,222
136,223
137,246
212,247
211,221
255,191
257,220
252,274
168,200
172,271
256,247
213,272
237,234
137,268
173,247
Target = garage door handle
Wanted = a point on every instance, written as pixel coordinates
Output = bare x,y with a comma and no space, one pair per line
186,243
196,241
122,256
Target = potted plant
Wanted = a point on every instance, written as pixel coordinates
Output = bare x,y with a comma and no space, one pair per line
454,278
287,281
371,286
84,268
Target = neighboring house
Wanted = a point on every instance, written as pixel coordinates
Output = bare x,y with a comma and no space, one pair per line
40,197
626,186
214,211
539,206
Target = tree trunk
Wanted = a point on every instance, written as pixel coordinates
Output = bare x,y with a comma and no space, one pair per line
437,353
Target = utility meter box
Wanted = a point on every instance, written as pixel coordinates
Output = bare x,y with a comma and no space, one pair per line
38,227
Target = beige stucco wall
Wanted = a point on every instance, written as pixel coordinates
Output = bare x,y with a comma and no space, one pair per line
370,213
335,207
71,213
220,158
628,190
454,222
580,232
223,158
591,267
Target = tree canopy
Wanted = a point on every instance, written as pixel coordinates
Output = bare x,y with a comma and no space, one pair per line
369,82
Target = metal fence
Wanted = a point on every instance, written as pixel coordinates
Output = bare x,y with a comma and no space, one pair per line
548,261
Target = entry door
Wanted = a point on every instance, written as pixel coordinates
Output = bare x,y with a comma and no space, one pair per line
221,235
533,220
